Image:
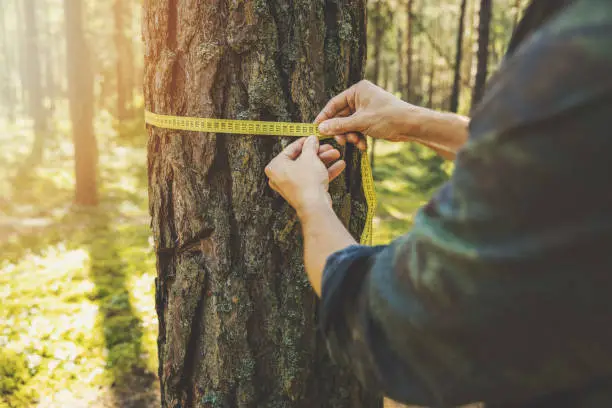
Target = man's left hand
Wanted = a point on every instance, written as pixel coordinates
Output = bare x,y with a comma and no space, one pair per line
302,172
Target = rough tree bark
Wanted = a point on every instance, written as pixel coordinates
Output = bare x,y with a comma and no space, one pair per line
236,313
454,100
81,100
484,24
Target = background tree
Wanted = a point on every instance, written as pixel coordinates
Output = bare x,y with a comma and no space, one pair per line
34,89
409,50
454,101
484,22
6,61
236,313
124,58
81,99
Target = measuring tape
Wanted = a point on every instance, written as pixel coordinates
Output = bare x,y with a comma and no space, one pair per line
256,127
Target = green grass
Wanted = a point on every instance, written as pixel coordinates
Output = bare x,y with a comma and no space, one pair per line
405,177
77,318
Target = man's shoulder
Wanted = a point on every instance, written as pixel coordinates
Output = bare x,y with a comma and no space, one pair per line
564,65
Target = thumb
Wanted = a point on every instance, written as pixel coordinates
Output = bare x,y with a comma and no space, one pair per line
338,126
311,146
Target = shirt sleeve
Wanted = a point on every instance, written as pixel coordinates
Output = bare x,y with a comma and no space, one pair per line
501,292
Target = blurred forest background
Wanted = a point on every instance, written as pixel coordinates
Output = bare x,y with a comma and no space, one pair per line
77,315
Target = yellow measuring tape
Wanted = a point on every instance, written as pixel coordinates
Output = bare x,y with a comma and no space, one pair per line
255,127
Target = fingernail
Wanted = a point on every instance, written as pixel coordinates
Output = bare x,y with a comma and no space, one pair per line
324,127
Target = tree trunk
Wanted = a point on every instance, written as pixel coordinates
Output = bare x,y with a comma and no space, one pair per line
9,99
454,101
123,65
81,100
34,85
409,52
49,75
430,88
517,14
21,55
400,62
379,32
484,24
236,312
469,43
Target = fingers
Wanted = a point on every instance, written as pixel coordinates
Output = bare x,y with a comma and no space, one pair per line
341,139
352,137
311,146
342,101
329,156
362,144
336,169
339,125
294,149
272,185
324,148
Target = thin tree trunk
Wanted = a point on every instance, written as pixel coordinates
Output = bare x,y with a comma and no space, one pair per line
8,90
517,14
34,85
129,56
81,99
379,31
21,55
120,45
409,51
400,62
470,46
430,88
122,13
454,101
236,312
484,24
47,45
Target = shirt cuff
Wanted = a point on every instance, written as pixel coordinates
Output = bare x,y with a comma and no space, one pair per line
343,277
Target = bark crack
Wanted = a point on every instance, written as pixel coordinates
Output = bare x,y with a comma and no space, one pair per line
188,378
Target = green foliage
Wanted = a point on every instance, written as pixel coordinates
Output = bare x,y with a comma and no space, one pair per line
14,374
77,285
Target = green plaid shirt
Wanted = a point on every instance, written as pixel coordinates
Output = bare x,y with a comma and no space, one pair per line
502,291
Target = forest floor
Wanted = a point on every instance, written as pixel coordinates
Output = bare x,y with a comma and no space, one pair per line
77,314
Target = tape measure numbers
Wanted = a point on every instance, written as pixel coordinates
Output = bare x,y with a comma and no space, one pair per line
255,127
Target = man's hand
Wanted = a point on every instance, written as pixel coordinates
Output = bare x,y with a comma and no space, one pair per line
367,109
302,172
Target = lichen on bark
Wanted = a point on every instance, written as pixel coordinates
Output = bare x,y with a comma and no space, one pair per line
236,313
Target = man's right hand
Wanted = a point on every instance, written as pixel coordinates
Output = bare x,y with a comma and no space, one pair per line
368,109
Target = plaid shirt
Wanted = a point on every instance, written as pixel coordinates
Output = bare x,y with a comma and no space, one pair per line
502,290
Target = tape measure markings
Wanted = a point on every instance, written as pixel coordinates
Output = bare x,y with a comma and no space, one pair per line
264,128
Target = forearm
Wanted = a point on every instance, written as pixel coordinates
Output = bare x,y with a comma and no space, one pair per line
323,234
444,132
